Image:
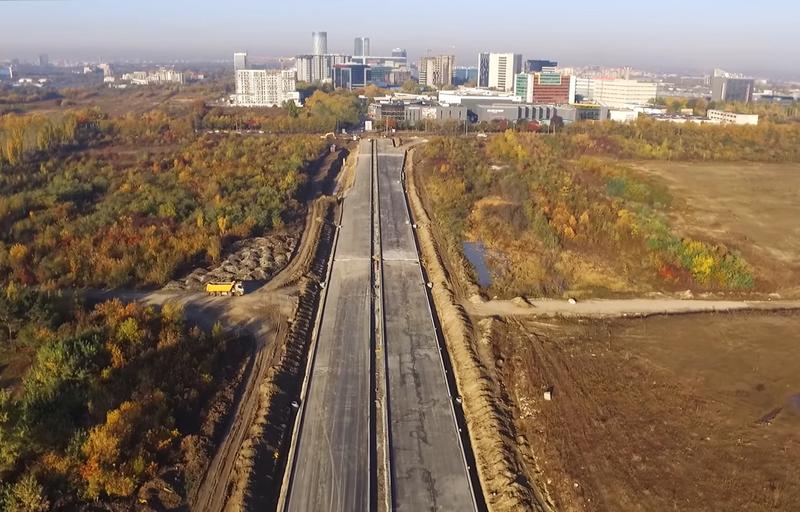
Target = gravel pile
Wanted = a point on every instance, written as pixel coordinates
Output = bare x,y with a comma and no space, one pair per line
254,259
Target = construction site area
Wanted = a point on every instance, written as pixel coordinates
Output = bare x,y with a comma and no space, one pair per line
382,378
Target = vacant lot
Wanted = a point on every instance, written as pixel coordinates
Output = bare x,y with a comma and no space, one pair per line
667,413
750,207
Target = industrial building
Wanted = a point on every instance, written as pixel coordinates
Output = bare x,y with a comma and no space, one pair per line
732,117
617,92
265,88
439,113
437,71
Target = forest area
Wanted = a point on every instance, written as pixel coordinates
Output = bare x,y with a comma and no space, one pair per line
566,214
97,402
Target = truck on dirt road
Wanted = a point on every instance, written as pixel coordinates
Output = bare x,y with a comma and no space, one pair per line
229,288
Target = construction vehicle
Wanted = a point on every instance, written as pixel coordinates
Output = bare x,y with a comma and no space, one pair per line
229,288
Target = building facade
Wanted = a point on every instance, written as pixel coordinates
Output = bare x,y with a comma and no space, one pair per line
350,76
265,88
483,69
732,89
437,71
503,68
239,61
319,43
361,47
548,87
417,113
318,68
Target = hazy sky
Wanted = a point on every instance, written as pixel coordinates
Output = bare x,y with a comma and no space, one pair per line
737,35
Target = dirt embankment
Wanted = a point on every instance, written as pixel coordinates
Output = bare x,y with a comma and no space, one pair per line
259,428
492,434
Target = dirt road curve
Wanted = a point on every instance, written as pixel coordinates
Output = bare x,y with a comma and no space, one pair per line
599,308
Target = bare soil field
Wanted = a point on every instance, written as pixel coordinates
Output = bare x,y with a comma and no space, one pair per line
693,412
750,207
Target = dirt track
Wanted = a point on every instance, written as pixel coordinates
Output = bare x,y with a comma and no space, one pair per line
612,308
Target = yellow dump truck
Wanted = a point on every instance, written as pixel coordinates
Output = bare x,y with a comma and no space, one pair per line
229,288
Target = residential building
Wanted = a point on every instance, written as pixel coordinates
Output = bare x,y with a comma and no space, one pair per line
319,43
350,76
483,69
539,65
732,118
724,88
503,68
545,87
265,88
240,61
616,92
318,68
437,71
361,47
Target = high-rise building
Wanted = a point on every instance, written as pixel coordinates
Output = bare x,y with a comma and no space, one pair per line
400,52
319,42
361,47
239,61
503,69
545,88
44,61
437,71
727,88
265,88
483,69
318,68
350,76
538,65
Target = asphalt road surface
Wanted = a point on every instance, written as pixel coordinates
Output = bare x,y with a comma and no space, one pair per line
331,468
427,465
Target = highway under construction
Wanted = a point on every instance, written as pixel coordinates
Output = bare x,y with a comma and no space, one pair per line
379,426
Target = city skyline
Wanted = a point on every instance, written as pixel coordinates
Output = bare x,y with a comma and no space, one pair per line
636,35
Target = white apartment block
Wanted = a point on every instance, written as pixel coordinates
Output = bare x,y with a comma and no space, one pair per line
732,117
503,69
617,92
265,88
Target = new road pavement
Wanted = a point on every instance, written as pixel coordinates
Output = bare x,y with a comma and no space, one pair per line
331,470
333,467
428,470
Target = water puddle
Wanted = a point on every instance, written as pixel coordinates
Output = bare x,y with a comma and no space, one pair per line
476,255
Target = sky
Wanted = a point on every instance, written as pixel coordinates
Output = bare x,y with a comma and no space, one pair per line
736,35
